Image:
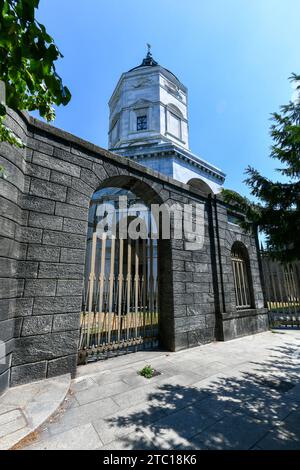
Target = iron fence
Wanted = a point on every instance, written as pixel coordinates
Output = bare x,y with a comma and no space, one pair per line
282,291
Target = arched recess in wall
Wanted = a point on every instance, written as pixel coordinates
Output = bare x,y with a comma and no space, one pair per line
201,185
242,278
126,260
175,110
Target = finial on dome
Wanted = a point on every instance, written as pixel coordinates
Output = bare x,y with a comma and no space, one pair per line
148,61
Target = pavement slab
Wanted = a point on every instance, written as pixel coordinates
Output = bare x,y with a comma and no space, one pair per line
25,408
242,394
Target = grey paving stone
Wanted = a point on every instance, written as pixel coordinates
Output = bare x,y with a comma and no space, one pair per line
237,431
96,393
79,415
81,437
281,438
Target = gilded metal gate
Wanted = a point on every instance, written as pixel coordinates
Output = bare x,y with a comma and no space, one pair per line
120,301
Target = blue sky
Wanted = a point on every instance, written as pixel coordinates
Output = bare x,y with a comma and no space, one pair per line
235,57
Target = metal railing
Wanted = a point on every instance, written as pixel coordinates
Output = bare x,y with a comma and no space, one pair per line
241,281
282,291
120,300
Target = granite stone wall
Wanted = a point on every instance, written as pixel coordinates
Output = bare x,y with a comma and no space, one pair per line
44,210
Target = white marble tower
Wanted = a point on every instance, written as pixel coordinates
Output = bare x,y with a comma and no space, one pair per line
148,121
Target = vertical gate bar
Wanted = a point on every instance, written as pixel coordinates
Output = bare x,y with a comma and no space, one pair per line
280,293
292,287
120,280
297,288
101,287
136,288
128,285
243,283
297,285
274,303
91,286
286,288
111,286
151,286
144,286
239,284
268,277
235,281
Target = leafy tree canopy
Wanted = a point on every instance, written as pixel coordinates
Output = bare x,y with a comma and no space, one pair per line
277,212
27,64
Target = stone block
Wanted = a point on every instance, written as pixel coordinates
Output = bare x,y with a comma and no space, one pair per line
77,199
50,305
8,190
53,191
66,321
37,171
37,325
28,234
73,212
91,178
68,240
72,255
196,267
182,276
43,253
111,170
181,255
7,329
61,271
72,158
56,164
27,269
39,287
62,365
177,265
7,228
73,287
38,204
10,210
28,373
45,221
10,288
12,249
61,178
82,187
99,170
183,299
75,226
40,146
23,307
178,287
45,347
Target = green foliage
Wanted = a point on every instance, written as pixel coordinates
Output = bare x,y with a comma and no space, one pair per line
147,372
277,212
27,64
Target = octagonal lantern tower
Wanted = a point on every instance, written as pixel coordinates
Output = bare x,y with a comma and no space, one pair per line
148,121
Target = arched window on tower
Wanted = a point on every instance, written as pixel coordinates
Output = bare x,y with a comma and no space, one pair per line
241,276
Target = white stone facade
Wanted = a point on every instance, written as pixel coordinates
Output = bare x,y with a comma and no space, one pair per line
155,93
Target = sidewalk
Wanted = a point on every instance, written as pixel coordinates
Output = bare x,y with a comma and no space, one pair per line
243,394
23,409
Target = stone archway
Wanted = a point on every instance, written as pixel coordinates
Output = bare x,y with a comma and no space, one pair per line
121,300
201,185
